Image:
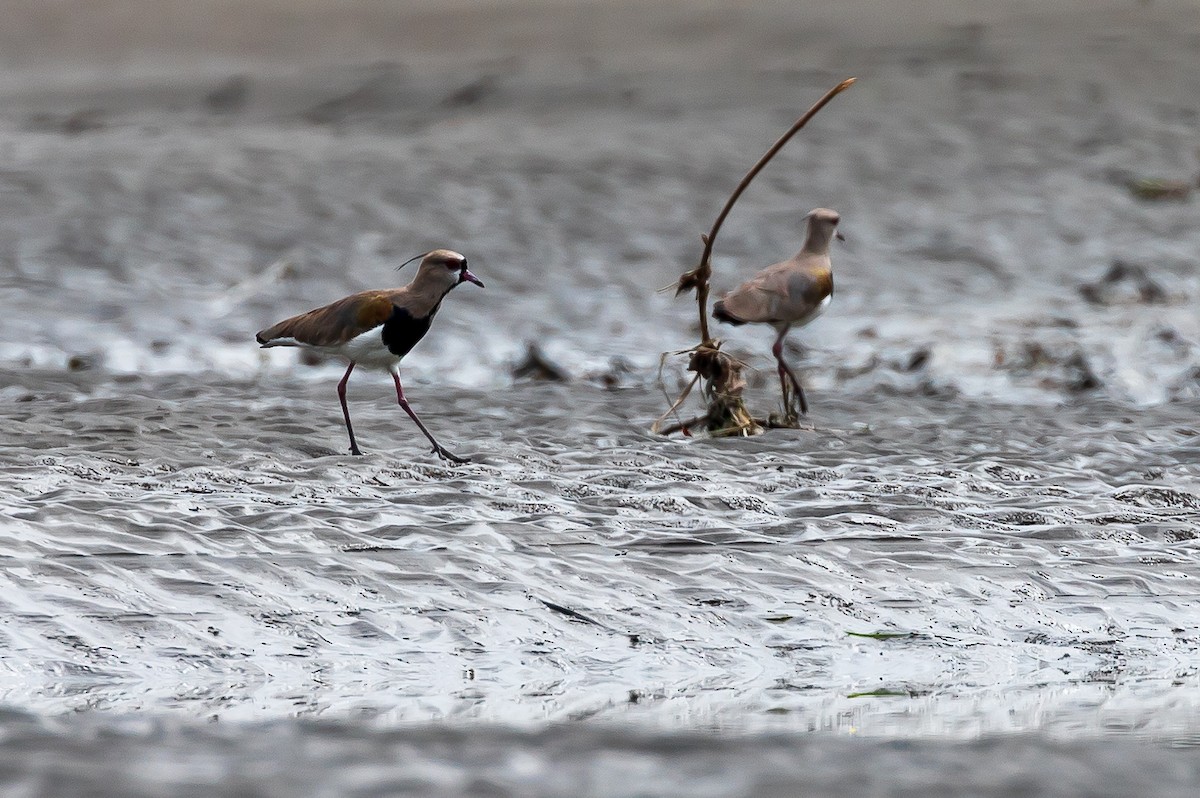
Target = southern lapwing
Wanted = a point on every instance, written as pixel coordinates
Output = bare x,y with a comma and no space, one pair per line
377,329
789,294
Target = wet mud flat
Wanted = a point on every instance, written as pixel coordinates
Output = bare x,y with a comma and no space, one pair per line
915,567
981,561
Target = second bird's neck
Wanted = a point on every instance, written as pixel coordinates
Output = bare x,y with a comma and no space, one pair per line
817,242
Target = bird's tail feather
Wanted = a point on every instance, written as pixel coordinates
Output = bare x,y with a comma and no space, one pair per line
721,314
278,335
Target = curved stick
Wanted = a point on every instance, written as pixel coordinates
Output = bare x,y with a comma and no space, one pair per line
698,278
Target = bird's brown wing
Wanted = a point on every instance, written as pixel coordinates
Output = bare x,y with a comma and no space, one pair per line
759,298
784,293
335,323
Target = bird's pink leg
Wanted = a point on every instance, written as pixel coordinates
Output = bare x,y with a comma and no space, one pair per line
438,449
346,410
786,375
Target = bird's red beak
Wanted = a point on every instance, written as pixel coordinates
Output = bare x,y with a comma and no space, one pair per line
466,277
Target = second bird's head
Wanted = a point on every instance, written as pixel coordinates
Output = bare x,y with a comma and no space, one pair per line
822,225
445,267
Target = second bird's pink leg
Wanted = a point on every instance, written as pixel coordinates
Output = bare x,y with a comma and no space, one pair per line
786,375
438,449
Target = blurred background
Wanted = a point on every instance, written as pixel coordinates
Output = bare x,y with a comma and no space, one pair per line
1016,181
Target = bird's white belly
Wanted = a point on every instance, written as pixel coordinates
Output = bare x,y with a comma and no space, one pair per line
366,349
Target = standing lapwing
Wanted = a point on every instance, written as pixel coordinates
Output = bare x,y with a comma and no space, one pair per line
788,294
378,328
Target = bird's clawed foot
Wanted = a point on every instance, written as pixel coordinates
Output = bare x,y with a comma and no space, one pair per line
788,419
446,454
794,405
779,420
791,390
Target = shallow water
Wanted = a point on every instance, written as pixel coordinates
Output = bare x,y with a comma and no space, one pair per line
975,575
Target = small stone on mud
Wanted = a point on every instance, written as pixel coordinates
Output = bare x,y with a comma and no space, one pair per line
614,376
1156,188
536,366
858,369
1080,376
1124,282
918,359
83,362
230,96
472,93
84,120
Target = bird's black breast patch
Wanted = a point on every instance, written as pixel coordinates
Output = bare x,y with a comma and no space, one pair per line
402,331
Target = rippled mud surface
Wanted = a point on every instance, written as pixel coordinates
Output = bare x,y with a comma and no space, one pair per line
913,567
